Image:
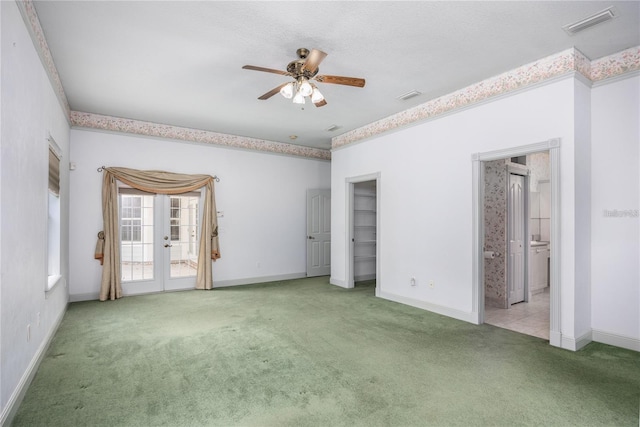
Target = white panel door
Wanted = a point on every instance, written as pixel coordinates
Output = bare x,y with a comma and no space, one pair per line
515,236
318,233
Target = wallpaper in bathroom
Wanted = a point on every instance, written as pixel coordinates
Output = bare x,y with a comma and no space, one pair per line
538,164
495,233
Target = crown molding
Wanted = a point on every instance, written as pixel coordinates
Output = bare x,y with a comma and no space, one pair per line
543,70
539,72
138,127
32,22
116,124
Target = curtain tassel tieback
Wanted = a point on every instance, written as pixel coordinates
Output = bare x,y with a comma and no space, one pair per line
215,252
99,253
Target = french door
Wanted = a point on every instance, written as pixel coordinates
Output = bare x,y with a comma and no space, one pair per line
159,236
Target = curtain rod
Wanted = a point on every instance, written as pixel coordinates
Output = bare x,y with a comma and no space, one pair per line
101,168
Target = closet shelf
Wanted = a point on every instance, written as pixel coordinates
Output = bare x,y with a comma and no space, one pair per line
366,241
365,257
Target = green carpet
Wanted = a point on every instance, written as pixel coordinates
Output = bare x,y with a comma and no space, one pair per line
305,353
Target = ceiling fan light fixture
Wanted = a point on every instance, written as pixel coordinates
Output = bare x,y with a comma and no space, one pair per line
305,88
298,99
316,96
287,91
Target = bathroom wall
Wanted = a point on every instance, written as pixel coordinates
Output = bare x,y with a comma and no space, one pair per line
495,233
539,225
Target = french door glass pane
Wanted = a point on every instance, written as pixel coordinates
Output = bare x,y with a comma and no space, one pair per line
136,237
184,236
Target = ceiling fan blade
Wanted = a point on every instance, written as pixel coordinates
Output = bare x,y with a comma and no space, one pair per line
266,70
313,60
320,103
273,91
341,80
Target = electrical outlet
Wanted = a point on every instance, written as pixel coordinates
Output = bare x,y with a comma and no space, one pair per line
412,281
38,319
431,284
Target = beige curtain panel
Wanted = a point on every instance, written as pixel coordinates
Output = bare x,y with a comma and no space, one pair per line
158,182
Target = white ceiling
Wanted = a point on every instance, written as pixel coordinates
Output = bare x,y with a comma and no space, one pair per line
179,62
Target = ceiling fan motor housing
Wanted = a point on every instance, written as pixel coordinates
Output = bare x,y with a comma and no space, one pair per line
295,67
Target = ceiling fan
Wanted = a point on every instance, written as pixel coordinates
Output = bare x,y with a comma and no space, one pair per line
302,70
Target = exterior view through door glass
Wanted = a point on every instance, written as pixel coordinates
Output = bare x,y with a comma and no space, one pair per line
136,236
159,241
183,235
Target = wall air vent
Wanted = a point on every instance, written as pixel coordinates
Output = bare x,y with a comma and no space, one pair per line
588,22
409,95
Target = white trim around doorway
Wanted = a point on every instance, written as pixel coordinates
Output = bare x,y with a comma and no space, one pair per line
349,203
477,159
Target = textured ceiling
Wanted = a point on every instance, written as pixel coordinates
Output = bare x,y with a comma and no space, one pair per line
179,63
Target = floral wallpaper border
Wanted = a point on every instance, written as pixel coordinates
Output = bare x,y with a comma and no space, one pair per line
568,61
563,63
29,10
117,124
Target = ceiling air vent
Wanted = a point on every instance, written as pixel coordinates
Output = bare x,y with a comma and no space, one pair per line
588,22
409,95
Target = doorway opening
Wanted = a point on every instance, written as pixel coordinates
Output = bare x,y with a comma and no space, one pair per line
517,225
363,221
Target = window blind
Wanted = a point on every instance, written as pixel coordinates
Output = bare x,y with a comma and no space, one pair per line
54,173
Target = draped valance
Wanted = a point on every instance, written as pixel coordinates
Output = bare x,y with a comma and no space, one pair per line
159,182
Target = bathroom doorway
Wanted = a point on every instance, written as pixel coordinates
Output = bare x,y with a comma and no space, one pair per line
527,307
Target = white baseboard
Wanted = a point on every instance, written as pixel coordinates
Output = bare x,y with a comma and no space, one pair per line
575,344
603,337
216,284
16,397
84,297
555,339
337,282
254,280
439,309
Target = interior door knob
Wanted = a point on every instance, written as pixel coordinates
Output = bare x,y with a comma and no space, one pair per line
310,237
166,245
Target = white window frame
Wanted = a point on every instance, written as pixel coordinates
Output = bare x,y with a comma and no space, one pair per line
54,225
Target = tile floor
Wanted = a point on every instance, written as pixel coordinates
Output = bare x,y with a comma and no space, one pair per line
531,318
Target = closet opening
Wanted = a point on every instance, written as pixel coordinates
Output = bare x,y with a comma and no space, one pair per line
363,213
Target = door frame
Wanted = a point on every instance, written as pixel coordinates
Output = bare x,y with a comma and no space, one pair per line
320,191
524,173
350,234
161,281
477,161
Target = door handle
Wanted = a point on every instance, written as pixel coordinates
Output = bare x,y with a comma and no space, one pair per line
166,245
310,237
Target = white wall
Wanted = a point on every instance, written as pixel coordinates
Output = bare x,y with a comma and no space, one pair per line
615,299
263,197
30,112
426,196
582,203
